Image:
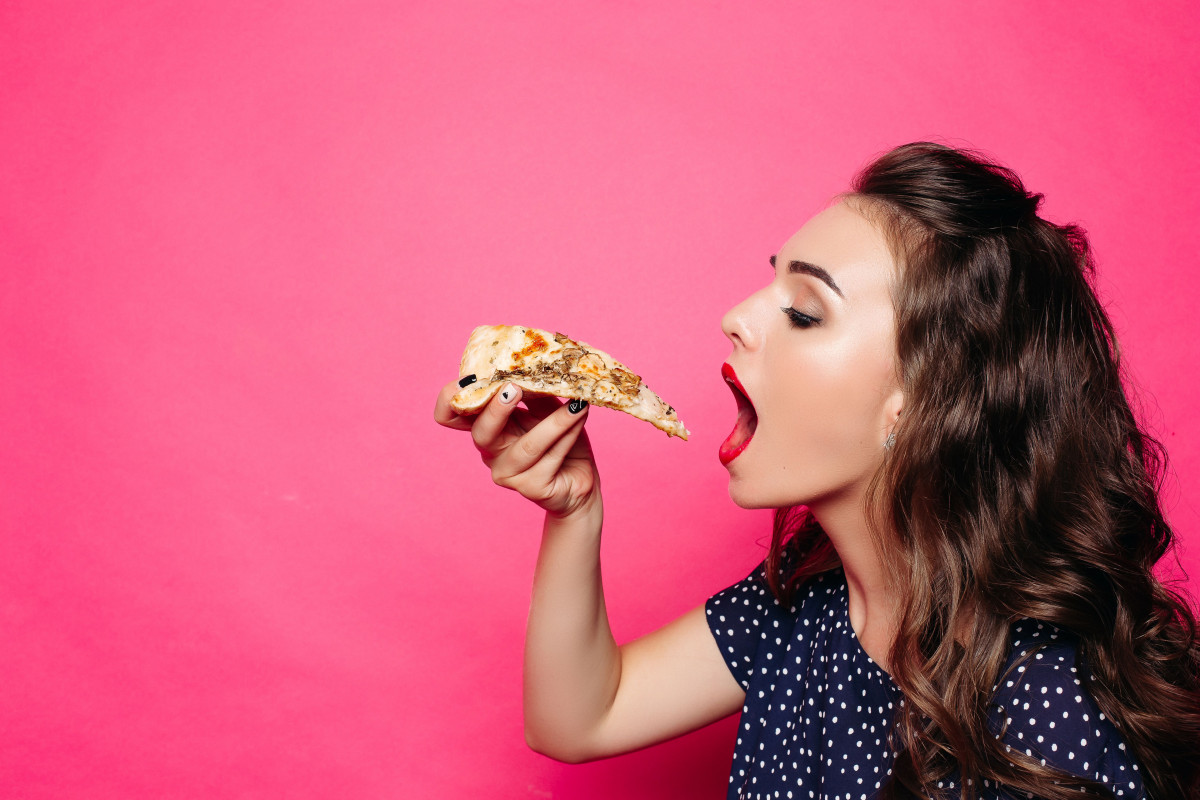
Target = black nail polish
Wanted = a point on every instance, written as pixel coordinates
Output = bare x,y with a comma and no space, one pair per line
575,406
466,380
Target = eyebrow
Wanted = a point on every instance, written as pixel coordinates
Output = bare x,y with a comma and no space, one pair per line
805,268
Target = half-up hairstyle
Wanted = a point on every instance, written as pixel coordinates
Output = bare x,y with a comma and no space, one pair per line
1020,486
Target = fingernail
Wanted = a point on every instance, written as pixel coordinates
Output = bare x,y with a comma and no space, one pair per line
466,380
575,406
508,393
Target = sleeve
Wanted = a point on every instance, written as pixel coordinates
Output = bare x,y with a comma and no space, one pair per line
739,618
1043,710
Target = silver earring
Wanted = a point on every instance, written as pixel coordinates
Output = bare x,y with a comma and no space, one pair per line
891,440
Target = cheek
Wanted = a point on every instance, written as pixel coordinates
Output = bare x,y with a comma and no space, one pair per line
831,396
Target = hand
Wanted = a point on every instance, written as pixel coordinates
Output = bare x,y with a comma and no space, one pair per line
540,451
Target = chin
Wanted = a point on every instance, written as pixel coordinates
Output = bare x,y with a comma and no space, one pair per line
746,497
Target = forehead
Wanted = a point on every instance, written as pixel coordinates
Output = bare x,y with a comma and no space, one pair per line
847,245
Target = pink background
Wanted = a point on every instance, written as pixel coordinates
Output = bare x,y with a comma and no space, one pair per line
243,245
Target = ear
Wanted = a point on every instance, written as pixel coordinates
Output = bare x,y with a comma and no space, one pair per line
893,407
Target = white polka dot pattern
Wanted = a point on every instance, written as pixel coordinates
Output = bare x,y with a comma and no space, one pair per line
818,710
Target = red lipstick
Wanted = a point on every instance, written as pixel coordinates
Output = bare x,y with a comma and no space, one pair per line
747,419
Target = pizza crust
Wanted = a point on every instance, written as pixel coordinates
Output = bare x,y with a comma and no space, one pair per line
541,362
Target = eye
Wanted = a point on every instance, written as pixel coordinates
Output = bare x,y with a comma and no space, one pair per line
799,319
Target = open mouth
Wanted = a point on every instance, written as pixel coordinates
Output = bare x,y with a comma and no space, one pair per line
747,419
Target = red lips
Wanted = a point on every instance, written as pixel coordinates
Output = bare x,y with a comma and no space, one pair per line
747,419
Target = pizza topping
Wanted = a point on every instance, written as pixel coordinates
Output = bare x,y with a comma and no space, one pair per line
584,370
534,345
542,362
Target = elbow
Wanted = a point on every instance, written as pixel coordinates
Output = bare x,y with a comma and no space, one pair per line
556,748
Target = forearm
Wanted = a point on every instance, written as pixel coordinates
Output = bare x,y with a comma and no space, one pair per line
572,663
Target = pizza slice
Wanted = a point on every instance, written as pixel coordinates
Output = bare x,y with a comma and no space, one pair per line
541,362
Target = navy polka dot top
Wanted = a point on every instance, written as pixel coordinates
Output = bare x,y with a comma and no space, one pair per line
818,709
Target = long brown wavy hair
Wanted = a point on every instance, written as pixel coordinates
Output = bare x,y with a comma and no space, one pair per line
1020,485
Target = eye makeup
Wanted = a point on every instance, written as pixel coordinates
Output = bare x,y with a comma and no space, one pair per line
798,319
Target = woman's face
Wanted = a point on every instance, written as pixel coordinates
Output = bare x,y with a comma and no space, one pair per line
814,352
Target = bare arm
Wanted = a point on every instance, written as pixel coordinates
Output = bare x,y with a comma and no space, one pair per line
585,697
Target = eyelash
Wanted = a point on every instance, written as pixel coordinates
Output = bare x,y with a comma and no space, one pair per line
799,320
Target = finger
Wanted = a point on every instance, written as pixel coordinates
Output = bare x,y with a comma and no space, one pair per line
534,446
489,425
523,421
445,415
549,464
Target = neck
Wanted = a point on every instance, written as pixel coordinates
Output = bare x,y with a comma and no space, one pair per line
874,600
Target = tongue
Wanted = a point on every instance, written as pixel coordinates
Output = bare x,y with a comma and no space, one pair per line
743,432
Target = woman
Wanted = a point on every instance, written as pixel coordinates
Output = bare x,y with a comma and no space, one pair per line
958,597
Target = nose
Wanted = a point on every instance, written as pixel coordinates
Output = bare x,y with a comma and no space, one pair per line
739,324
